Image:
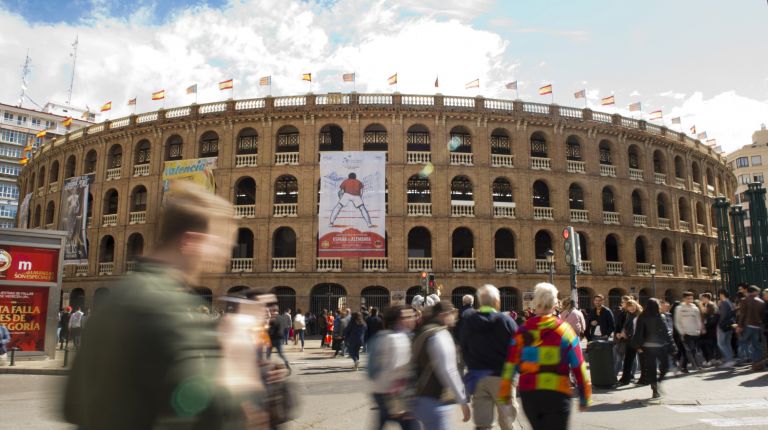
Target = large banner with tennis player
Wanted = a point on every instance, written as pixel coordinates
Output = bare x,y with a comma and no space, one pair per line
352,204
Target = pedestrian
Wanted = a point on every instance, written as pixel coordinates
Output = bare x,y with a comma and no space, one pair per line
143,363
573,316
688,324
286,323
619,343
374,323
708,339
600,323
467,307
64,327
750,326
76,321
653,339
322,327
544,352
633,310
354,337
389,368
725,322
5,339
484,339
330,321
277,334
339,327
299,328
438,384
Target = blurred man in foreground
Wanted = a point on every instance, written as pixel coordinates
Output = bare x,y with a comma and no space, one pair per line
149,363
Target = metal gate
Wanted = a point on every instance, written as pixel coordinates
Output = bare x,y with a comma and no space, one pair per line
585,299
286,298
459,293
375,296
411,293
509,299
326,296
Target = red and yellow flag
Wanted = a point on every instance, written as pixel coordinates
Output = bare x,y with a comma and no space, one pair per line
546,89
158,95
392,79
306,77
607,101
107,106
67,121
227,85
655,115
41,134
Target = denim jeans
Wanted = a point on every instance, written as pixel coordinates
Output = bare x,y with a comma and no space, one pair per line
406,423
753,337
724,343
432,413
300,334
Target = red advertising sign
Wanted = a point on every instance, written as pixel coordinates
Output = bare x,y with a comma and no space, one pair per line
352,242
28,264
23,311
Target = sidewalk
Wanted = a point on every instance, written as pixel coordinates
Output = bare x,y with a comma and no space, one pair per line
38,366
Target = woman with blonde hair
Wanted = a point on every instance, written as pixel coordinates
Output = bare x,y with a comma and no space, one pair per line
545,351
633,311
573,316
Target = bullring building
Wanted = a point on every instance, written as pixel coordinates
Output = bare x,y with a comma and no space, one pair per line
478,190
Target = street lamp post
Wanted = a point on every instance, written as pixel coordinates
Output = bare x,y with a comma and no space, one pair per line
653,279
551,264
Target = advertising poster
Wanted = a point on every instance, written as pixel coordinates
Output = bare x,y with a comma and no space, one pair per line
74,218
28,264
352,204
197,170
23,311
24,211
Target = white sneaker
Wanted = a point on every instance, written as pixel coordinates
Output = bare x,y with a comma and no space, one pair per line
729,363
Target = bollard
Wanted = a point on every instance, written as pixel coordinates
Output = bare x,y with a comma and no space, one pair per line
66,357
13,355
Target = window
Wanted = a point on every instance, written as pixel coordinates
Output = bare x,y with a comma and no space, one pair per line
36,122
8,211
12,136
742,162
9,170
21,120
9,191
744,179
7,116
757,178
757,160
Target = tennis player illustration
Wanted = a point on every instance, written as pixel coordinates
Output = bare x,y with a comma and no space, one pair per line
351,191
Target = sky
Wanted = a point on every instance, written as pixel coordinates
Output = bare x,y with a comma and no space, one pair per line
700,60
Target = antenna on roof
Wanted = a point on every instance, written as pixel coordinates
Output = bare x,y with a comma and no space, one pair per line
24,73
74,63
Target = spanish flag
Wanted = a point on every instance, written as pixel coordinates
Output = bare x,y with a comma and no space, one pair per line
132,102
306,77
693,129
655,115
546,89
606,101
28,148
392,79
227,85
158,95
67,121
24,161
41,134
473,84
265,80
107,106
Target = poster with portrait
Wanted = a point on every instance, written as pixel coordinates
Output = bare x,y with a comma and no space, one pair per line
352,204
74,218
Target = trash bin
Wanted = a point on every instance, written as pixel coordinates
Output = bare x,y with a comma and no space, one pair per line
601,366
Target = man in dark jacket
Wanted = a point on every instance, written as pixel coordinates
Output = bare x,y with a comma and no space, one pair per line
750,326
600,323
484,339
727,318
374,323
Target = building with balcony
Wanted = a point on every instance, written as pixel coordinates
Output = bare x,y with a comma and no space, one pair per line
18,127
747,165
478,190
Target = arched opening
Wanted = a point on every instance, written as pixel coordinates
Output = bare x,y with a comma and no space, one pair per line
115,157
460,140
174,148
504,244
509,299
107,249
287,139
671,296
684,209
89,165
573,148
70,167
605,153
89,206
77,299
143,152
701,217
286,298
687,254
501,144
502,191
38,217
679,167
54,175
458,294
139,199
584,248
634,157
637,203
667,254
419,190
41,177
205,296
284,243
585,298
704,256
576,197
612,248
411,293
540,195
135,247
419,243
375,138
327,296
609,204
659,162
462,243
244,246
539,145
375,296
640,250
286,190
614,298
417,138
209,144
542,243
644,295
695,172
100,296
111,202
245,191
661,206
50,212
247,142
461,189
331,138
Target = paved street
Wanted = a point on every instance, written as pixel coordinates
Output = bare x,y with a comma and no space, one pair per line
336,398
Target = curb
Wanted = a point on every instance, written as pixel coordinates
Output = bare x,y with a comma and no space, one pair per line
27,371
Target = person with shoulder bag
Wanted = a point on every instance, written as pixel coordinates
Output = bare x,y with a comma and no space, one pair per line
653,339
574,317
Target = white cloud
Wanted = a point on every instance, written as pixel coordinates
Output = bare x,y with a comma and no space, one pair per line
672,94
634,93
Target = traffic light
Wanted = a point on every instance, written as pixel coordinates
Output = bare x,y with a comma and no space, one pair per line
572,248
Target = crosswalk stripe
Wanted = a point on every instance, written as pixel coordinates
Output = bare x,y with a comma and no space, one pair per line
720,407
736,422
